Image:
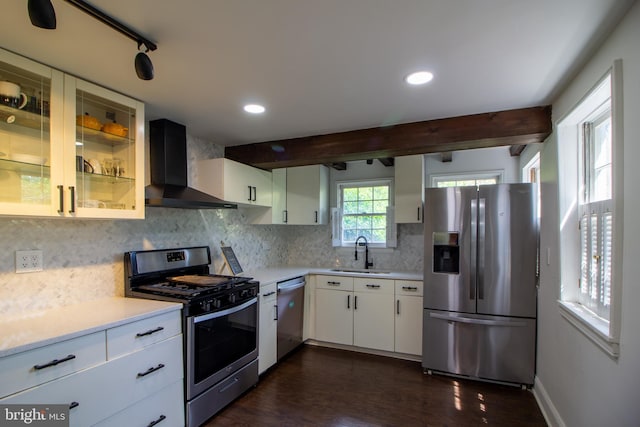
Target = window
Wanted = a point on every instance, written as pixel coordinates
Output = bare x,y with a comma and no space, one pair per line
531,171
475,179
363,211
595,212
589,171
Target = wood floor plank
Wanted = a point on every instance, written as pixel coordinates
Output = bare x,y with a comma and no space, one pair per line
318,386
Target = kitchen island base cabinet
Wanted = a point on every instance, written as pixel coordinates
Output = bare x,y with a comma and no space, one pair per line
130,378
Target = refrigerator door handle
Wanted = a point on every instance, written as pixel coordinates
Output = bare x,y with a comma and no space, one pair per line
481,241
474,248
473,321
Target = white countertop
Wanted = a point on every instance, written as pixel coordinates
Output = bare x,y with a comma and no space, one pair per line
276,274
23,332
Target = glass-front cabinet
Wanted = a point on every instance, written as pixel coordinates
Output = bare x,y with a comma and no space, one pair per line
68,148
106,132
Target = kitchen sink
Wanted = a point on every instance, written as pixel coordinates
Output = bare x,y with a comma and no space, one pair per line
355,270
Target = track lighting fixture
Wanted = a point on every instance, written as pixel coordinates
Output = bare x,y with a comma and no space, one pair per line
43,15
144,67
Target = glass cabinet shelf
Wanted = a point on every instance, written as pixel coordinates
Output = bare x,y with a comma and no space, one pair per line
28,169
104,179
15,117
100,137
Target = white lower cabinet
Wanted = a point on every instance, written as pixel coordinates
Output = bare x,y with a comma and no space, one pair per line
162,409
268,329
373,313
409,311
379,314
143,370
355,311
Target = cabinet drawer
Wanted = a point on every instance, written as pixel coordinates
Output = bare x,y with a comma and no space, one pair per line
366,284
409,288
166,406
144,372
137,335
88,394
269,293
30,368
334,282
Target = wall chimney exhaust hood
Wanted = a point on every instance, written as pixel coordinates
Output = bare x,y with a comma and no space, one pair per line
168,161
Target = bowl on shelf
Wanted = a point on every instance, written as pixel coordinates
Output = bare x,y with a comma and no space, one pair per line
88,121
28,158
115,129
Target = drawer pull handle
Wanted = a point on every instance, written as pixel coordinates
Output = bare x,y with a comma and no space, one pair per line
409,288
54,362
268,294
149,332
373,286
150,370
74,405
333,283
158,421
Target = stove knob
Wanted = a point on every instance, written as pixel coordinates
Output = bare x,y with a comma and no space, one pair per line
232,298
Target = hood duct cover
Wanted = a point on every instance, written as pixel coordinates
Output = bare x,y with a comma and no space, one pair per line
168,160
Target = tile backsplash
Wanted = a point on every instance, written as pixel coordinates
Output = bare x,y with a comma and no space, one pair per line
83,259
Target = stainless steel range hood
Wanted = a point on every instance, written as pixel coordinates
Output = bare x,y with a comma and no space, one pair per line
168,160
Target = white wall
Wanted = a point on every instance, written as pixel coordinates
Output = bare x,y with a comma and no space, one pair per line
577,384
481,160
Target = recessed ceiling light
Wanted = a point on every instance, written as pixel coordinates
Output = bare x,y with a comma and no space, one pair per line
419,78
254,109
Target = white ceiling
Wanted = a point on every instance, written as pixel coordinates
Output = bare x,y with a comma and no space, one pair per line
321,66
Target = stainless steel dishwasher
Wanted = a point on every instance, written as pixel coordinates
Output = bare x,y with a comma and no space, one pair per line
290,314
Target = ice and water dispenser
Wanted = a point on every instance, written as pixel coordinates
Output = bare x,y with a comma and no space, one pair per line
446,253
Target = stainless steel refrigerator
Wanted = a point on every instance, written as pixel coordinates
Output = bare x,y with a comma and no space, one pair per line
480,282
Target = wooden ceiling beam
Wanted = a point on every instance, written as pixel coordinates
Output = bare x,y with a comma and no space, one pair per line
502,128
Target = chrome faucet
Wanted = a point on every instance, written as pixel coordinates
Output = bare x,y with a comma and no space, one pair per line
367,263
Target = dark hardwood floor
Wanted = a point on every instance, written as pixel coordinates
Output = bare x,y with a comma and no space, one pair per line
318,386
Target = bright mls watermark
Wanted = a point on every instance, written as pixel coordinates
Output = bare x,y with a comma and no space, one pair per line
34,415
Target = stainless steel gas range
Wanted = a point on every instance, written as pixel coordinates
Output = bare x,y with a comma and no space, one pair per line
220,323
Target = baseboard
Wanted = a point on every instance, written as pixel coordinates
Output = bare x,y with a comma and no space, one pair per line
548,409
403,356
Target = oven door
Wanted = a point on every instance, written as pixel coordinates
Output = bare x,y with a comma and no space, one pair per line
220,343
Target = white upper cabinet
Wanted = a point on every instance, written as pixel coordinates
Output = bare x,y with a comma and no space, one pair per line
68,148
409,189
234,182
300,196
307,195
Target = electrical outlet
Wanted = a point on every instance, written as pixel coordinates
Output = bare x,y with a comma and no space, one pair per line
28,261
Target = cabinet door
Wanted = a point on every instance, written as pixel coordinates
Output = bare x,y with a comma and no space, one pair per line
268,328
408,324
334,316
279,196
409,189
373,320
104,134
30,137
307,195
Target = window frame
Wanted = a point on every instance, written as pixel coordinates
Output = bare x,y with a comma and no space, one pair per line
571,193
340,185
498,175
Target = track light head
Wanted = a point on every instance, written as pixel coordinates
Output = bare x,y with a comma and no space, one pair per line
144,67
42,14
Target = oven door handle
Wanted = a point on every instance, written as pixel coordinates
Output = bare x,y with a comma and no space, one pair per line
226,312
